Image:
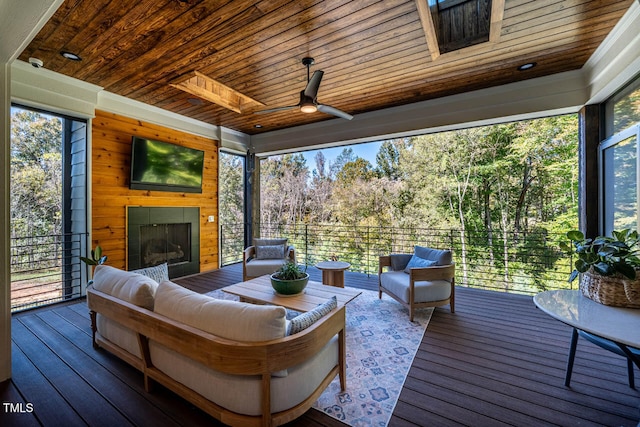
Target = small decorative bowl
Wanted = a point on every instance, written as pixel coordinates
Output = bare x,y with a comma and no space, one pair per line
289,287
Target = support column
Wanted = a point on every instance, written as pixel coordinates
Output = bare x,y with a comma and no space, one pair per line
589,136
255,200
251,197
5,219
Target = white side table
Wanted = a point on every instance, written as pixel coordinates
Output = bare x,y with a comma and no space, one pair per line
619,325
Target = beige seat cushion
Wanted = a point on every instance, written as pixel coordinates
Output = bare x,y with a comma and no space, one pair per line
240,393
227,319
131,287
397,282
260,267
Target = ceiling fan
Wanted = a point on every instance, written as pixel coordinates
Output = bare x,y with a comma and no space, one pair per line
308,97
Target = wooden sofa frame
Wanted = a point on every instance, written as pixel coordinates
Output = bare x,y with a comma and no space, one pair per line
223,355
436,272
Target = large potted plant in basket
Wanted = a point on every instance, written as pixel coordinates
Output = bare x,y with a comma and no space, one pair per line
609,266
290,279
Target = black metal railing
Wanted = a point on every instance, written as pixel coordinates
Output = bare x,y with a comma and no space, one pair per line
232,243
513,261
45,269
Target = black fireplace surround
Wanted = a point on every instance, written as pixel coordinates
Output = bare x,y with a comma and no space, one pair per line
164,234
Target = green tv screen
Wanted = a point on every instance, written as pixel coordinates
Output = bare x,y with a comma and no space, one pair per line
162,166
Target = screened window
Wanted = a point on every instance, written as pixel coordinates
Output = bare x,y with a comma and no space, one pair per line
619,155
231,206
48,207
623,109
620,178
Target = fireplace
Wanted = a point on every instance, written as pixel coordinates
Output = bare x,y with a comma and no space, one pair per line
156,235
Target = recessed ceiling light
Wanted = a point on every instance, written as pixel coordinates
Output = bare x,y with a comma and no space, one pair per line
70,55
258,126
527,66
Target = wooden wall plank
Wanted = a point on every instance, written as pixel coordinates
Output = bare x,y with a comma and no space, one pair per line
111,157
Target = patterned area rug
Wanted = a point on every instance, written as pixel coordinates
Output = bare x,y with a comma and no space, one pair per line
381,345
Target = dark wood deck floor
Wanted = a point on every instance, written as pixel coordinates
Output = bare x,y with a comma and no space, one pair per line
496,361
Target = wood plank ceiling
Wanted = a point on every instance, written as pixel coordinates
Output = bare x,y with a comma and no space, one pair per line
374,54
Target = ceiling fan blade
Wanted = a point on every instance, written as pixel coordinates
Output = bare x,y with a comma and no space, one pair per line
334,112
314,83
273,110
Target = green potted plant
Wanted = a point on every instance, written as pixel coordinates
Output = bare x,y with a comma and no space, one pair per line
608,265
290,279
96,259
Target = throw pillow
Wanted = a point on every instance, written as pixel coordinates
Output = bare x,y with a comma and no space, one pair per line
417,262
159,273
270,252
303,321
441,257
399,261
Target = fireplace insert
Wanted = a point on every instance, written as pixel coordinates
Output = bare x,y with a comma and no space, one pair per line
157,235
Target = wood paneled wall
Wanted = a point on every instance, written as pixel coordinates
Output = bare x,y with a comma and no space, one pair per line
110,171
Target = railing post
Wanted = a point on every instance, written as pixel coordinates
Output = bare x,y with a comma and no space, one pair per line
368,247
306,244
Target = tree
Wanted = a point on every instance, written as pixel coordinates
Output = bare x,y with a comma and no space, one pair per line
388,159
283,187
357,169
231,184
343,158
320,193
36,174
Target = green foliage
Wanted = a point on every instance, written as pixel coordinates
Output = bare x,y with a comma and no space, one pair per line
607,255
232,181
96,257
290,271
351,172
36,174
627,110
388,159
492,188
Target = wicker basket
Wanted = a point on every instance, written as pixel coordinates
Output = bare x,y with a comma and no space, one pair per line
617,291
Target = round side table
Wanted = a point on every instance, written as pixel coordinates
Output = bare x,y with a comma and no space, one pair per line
333,272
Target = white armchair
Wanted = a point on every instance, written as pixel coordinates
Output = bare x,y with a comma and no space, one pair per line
266,256
425,278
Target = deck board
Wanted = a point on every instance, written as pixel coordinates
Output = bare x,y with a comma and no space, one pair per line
496,361
499,359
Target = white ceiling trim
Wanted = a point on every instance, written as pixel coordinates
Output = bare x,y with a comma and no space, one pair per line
617,59
46,89
121,105
20,21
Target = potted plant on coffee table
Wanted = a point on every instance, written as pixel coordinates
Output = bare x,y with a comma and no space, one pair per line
609,267
290,279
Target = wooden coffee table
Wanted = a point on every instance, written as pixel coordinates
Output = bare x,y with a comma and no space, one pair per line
259,290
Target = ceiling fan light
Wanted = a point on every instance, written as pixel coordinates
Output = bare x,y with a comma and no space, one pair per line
308,108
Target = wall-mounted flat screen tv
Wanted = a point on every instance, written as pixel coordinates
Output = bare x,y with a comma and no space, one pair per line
162,166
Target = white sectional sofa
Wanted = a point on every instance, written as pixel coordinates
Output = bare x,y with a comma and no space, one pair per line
234,360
